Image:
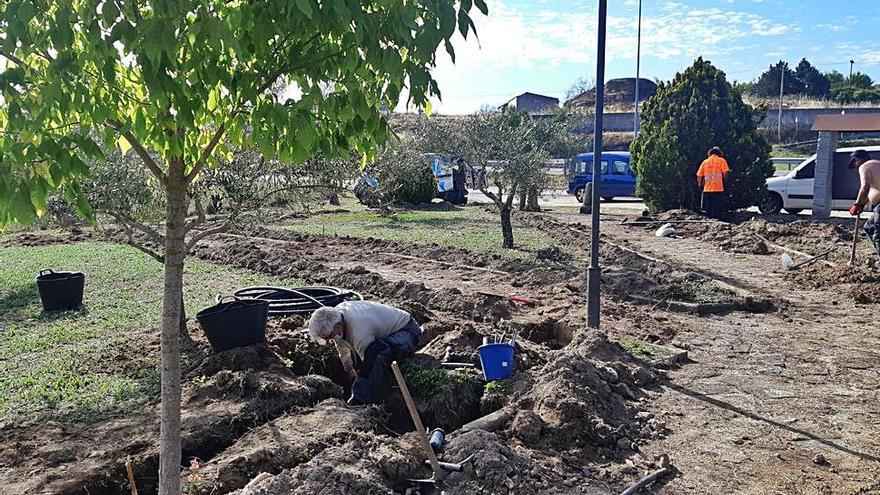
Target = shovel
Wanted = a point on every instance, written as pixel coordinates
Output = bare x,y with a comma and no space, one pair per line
438,472
852,256
439,469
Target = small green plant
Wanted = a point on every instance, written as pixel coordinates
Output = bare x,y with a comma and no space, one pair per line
640,349
498,387
424,381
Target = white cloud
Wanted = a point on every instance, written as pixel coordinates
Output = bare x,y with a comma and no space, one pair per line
510,38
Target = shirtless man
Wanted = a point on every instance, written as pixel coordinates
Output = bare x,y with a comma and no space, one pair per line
869,192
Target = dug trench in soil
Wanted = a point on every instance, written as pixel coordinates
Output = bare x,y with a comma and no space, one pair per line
464,336
231,394
744,233
579,415
629,275
225,396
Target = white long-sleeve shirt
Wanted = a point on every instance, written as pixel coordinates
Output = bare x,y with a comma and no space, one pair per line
365,322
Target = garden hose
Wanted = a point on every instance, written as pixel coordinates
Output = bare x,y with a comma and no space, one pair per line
285,301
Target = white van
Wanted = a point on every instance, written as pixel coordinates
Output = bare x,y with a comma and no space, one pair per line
793,192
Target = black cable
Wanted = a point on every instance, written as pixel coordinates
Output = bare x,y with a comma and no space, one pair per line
285,301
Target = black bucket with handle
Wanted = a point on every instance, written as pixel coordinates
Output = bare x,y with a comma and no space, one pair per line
234,322
60,291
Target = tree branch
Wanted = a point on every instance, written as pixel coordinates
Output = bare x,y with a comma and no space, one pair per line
208,232
209,148
140,150
512,194
140,247
129,222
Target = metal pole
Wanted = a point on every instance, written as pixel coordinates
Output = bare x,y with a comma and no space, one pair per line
593,271
781,88
638,61
851,62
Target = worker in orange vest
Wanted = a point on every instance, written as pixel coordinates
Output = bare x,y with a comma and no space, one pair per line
711,177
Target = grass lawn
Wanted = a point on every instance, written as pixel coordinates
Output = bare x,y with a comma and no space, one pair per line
88,364
470,228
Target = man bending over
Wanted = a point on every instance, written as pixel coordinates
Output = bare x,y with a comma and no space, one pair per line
377,333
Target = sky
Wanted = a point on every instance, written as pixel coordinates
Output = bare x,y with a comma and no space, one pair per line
543,46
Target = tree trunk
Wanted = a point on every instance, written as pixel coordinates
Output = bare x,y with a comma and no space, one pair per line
522,201
532,200
506,227
169,453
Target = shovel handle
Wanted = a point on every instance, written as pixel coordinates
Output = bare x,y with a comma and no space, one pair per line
852,256
439,473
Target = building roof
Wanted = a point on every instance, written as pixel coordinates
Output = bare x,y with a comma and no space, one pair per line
848,123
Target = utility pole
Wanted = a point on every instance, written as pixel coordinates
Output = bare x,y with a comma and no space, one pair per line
638,61
781,89
851,63
593,271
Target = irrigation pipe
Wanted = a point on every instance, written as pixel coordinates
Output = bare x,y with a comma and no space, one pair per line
285,301
647,480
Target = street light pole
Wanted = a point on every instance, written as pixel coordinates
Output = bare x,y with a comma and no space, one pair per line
593,271
781,88
851,62
638,62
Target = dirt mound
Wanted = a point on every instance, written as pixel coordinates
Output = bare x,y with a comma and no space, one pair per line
581,398
283,443
365,465
858,281
48,237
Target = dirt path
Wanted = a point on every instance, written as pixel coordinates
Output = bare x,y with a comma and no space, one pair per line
768,393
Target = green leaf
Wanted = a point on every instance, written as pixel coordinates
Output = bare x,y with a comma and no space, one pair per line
20,207
26,12
463,23
123,144
306,137
450,50
481,4
305,6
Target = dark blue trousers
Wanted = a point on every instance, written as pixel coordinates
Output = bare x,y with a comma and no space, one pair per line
378,357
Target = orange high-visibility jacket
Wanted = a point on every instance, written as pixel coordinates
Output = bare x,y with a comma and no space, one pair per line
712,171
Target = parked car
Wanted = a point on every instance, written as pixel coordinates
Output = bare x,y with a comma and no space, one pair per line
793,192
617,178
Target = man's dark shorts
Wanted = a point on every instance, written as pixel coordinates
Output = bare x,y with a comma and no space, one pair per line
872,227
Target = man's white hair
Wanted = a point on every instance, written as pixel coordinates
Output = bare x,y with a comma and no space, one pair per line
322,322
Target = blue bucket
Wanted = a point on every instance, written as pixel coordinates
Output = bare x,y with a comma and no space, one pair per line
496,360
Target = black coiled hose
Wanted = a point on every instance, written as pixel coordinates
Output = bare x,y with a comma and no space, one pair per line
285,301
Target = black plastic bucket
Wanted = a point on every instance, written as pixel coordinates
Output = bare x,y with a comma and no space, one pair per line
60,291
236,323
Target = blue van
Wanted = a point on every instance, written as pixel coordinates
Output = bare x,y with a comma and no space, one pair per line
617,178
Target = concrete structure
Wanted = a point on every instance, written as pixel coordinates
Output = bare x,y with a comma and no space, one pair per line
829,127
532,103
804,118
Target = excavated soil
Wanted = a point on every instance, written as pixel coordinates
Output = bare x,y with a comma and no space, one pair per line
47,237
573,415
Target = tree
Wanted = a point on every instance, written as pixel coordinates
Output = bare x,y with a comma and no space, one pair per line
860,80
835,77
698,109
815,83
580,86
178,78
768,83
509,150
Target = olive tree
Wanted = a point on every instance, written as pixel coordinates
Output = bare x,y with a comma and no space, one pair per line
187,79
509,149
